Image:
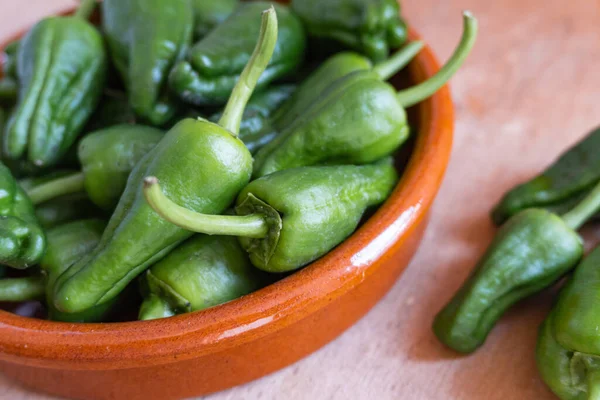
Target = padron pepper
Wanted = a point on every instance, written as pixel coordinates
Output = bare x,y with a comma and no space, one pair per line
290,218
146,38
114,109
22,240
531,251
210,13
61,209
213,65
357,120
107,158
370,27
560,186
568,349
257,135
201,165
202,272
61,71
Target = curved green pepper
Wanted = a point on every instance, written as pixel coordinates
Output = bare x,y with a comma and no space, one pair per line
290,218
114,109
202,272
370,27
213,65
61,69
201,164
560,185
210,13
146,38
531,251
358,119
107,158
22,240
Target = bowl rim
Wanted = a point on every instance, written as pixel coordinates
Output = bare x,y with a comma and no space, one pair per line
121,345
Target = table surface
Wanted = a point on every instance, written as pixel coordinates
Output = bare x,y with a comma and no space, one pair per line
526,93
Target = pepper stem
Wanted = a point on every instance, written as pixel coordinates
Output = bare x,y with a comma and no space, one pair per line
398,60
420,92
22,289
58,187
232,115
154,308
584,210
253,225
86,8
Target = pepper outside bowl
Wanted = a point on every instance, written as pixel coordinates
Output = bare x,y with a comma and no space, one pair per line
211,350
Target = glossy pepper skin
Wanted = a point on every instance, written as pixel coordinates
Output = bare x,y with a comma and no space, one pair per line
22,242
560,185
256,129
370,27
146,38
202,272
567,353
210,13
357,119
532,250
202,165
213,65
61,71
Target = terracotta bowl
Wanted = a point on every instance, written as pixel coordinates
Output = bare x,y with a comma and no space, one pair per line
207,351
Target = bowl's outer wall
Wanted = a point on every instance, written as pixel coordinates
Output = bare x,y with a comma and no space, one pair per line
199,353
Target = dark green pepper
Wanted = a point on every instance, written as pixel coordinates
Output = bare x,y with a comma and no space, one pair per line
107,158
213,65
22,240
22,289
370,27
146,38
201,164
290,218
210,13
9,60
61,69
114,109
202,272
8,91
530,252
357,120
560,185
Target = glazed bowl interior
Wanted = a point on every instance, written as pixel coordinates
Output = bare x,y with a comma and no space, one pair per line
422,162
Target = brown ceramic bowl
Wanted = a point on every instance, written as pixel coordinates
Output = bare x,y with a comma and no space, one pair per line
224,346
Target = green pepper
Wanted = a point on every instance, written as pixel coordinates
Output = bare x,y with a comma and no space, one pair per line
569,177
107,158
8,91
22,289
357,120
202,272
61,69
370,27
114,109
210,13
201,164
532,250
213,65
9,59
146,38
290,218
22,240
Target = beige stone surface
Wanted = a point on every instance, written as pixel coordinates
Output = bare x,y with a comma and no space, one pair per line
529,90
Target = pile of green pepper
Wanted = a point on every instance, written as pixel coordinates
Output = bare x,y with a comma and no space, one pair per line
175,152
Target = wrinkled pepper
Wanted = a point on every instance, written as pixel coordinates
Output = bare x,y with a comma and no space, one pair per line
107,158
114,109
290,218
201,164
568,349
560,186
531,251
202,272
145,39
370,27
61,71
210,13
61,209
213,65
22,240
357,120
